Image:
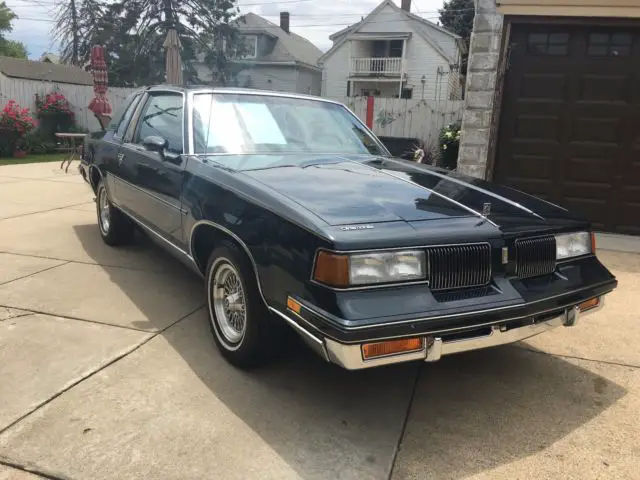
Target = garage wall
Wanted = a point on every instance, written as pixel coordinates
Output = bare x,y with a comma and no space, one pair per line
574,8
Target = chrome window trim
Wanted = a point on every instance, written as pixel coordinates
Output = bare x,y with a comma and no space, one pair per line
160,91
391,249
266,93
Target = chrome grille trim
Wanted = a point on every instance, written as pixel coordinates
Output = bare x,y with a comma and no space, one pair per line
459,266
535,256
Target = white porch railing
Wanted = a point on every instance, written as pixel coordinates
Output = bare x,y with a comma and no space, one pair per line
376,66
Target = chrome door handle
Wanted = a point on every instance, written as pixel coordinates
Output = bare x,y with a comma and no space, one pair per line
120,158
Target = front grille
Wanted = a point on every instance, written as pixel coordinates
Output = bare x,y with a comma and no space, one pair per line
535,256
459,266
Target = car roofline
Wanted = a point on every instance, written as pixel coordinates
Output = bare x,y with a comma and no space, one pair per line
264,93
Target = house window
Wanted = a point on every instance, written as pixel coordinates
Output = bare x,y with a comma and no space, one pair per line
395,48
407,93
610,44
250,47
548,43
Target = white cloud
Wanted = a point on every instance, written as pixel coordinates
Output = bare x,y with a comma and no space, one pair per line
313,19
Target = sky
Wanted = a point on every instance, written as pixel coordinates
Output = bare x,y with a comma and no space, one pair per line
313,19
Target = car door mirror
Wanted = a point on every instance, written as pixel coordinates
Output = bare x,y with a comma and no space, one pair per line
155,144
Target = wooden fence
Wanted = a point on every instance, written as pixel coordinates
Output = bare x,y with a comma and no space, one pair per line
79,96
420,119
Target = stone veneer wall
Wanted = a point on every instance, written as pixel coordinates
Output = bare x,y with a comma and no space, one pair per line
482,72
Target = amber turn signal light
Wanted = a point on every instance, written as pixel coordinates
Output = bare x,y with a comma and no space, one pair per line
331,269
589,304
391,347
293,305
593,243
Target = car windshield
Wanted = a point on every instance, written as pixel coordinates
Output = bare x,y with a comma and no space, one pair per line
245,124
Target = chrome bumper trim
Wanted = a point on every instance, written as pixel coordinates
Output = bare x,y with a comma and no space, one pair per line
349,356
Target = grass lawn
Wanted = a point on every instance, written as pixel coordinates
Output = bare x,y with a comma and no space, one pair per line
45,157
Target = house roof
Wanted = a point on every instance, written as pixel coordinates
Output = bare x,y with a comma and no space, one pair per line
420,25
289,47
44,71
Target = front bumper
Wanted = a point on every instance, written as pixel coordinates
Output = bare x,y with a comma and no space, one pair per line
437,345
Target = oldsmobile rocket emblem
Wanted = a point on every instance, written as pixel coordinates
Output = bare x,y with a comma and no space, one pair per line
486,209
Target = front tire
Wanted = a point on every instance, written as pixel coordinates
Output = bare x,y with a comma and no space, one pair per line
242,327
115,228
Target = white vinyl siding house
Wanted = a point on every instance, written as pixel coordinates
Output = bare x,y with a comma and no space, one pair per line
275,58
393,53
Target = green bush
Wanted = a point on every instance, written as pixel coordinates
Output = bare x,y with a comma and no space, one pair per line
38,142
449,141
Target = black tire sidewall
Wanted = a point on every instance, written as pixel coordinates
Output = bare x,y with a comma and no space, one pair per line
248,350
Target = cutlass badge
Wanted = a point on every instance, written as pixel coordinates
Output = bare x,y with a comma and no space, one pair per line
486,209
357,227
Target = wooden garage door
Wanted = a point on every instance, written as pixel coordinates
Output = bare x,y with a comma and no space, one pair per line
570,122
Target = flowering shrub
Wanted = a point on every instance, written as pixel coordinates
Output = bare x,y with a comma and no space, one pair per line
449,145
53,102
54,113
16,119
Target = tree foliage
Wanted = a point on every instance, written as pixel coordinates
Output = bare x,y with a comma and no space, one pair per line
9,48
133,32
457,16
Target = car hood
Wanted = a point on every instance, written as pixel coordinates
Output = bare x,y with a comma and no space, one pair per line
363,190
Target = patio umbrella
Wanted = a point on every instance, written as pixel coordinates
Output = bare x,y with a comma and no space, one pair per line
173,68
99,105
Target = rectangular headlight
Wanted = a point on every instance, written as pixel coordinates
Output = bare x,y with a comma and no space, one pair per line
569,245
345,270
386,267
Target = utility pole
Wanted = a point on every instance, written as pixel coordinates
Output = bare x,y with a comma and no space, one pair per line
76,38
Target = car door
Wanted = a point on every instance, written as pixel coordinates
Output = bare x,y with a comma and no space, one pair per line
106,151
152,179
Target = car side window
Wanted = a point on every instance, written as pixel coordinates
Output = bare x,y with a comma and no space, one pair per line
162,116
119,125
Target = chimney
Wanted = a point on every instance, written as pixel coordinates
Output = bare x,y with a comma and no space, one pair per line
405,5
284,21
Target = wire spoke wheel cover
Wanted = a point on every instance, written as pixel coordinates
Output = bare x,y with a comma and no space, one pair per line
104,212
229,303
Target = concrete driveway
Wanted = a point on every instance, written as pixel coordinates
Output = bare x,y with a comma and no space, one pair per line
107,370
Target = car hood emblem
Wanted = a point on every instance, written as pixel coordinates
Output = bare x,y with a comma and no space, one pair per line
356,227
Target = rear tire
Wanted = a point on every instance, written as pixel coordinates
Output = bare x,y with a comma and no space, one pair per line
243,329
114,226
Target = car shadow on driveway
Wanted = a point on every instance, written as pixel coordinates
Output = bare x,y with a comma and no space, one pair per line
466,414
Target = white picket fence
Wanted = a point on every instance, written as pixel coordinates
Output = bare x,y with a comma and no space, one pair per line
79,96
408,118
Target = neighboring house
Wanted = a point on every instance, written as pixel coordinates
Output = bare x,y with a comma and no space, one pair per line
16,68
275,58
393,53
49,58
553,104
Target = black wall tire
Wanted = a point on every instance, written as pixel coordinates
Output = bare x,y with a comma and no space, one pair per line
114,227
242,326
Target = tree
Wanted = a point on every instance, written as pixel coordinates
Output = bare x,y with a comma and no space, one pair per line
457,16
9,48
133,32
76,20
